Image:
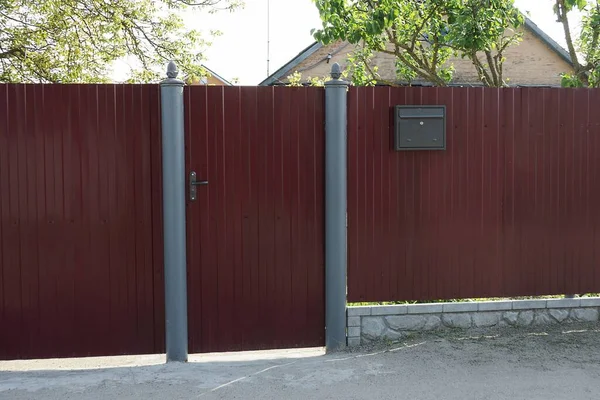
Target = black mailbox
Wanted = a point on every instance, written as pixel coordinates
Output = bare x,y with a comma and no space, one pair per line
420,128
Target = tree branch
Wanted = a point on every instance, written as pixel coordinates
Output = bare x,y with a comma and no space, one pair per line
483,74
12,52
561,12
376,76
420,68
488,56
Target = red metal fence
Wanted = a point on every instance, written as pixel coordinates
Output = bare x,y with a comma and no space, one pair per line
80,221
256,232
509,209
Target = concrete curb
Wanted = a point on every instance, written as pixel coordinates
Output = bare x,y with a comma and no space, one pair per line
372,323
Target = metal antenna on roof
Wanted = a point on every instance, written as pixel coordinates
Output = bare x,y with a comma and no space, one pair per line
268,36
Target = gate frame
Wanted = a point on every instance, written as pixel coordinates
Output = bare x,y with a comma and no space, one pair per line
174,213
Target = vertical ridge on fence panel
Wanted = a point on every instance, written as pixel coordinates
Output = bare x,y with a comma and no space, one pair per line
100,208
266,201
578,202
10,234
130,133
590,193
75,206
27,214
489,254
285,217
316,216
353,193
231,168
508,121
396,275
522,188
585,236
454,199
550,130
594,127
20,187
443,173
544,176
565,203
241,200
144,230
281,112
29,254
143,287
214,174
368,190
431,198
250,228
301,144
408,223
112,138
155,187
196,145
55,282
292,161
536,232
379,136
3,214
224,273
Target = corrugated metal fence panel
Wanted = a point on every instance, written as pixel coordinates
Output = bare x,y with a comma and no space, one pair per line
81,221
256,232
509,209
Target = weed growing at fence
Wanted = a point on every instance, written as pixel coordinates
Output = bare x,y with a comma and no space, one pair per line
388,303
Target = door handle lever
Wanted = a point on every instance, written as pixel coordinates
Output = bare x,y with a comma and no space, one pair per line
193,184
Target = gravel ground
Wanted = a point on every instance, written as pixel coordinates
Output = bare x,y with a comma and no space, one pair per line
544,363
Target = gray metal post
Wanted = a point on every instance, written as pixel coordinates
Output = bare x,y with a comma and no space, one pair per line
335,211
173,163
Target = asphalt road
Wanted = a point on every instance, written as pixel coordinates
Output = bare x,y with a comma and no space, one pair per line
547,363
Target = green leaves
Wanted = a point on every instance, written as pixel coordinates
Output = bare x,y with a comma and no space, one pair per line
78,40
587,71
579,4
359,68
422,35
477,28
589,44
570,81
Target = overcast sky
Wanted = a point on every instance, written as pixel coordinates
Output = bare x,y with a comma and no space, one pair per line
241,52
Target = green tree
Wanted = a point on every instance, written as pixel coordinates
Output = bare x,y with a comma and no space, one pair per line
78,40
586,69
422,35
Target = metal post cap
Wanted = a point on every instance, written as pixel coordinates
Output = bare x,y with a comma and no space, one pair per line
172,70
336,71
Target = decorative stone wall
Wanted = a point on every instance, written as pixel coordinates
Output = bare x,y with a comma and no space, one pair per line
372,323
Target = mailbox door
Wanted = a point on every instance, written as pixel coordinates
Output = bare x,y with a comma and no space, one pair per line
420,128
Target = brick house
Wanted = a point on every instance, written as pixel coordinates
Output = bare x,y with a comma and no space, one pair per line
536,61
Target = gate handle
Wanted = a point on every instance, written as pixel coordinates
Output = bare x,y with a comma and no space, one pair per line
193,184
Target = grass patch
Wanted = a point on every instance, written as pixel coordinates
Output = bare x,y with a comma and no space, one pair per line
390,303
